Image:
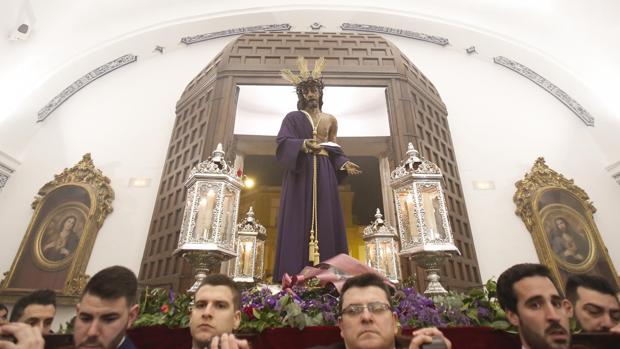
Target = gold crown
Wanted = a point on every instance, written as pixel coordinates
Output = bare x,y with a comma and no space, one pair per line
304,74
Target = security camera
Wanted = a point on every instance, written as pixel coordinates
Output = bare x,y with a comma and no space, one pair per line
21,33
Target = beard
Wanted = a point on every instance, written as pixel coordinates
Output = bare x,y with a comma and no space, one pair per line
94,342
536,341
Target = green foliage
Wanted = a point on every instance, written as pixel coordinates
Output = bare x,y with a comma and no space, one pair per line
159,306
482,307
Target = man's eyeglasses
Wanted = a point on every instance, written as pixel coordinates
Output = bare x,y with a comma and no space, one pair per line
374,308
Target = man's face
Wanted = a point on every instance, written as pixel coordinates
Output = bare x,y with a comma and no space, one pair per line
542,315
4,314
39,315
212,314
312,95
367,330
596,311
101,323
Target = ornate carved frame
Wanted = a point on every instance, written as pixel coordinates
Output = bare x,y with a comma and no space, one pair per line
84,175
528,198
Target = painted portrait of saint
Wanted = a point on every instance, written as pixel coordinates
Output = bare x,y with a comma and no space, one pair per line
567,243
60,244
60,235
567,236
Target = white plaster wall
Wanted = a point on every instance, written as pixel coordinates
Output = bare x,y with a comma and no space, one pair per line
125,120
500,123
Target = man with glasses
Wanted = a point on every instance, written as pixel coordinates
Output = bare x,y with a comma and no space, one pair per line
367,320
216,312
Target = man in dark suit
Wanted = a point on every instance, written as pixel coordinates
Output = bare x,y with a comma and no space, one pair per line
106,310
367,320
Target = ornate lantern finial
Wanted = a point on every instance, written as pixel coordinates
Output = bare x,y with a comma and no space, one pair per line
207,235
381,243
422,213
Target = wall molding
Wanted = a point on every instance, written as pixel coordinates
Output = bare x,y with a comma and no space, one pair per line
548,86
189,40
438,40
82,82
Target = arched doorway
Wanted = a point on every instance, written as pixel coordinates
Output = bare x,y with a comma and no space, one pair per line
206,115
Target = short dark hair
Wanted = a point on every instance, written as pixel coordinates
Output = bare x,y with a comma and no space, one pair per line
592,282
113,283
505,283
3,307
42,297
223,280
364,280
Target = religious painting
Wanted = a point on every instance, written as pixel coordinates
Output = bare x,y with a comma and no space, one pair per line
54,253
57,240
560,218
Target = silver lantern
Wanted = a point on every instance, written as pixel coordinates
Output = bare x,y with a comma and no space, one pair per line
207,235
381,243
423,224
249,265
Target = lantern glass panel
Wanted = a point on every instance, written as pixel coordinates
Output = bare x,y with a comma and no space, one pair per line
432,212
204,217
258,266
371,254
227,215
407,210
385,256
246,250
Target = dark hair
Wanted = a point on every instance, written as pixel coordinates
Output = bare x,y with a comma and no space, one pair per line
3,307
42,297
223,280
363,280
592,282
113,283
505,283
304,85
62,224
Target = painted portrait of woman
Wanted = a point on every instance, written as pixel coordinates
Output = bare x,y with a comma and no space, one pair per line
59,237
61,244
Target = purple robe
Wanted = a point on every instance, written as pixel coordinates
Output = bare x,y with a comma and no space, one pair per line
295,216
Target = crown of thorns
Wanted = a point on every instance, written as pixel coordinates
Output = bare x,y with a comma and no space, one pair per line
306,78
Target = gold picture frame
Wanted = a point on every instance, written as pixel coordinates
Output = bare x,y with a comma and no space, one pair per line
54,253
560,217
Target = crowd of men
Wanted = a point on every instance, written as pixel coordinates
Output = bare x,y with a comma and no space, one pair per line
108,307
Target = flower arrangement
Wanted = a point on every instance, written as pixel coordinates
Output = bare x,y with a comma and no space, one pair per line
311,305
159,306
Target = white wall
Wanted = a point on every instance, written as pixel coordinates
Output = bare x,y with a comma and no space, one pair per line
500,123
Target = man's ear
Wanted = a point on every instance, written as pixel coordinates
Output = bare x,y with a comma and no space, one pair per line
568,307
237,319
512,317
134,310
396,324
340,325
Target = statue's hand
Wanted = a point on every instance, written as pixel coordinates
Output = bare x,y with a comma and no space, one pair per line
312,146
352,168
